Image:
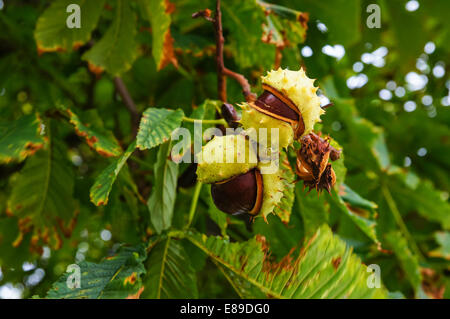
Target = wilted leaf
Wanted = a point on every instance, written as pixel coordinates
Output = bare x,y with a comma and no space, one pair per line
325,268
157,12
96,136
104,182
21,138
42,197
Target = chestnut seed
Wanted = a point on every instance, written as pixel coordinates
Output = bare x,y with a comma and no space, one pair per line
273,104
230,115
240,194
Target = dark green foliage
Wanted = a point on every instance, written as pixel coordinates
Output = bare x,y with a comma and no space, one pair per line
81,179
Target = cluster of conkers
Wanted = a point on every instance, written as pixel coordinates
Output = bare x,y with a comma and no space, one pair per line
290,104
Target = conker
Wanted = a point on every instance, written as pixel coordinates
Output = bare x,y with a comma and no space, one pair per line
240,194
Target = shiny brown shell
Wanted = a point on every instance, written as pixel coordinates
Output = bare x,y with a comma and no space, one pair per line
240,194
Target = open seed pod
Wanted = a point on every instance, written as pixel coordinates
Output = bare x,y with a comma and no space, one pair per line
312,162
229,164
289,102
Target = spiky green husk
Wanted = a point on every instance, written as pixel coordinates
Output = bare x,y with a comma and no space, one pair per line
278,190
238,157
299,89
251,118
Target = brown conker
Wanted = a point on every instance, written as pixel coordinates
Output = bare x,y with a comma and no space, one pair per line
240,194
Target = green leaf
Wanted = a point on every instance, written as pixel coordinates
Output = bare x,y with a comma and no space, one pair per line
408,30
408,261
428,201
117,49
20,138
156,127
42,196
284,26
349,196
313,209
363,219
219,217
365,141
162,199
325,268
101,140
443,239
103,183
157,12
53,34
169,272
115,277
245,37
333,13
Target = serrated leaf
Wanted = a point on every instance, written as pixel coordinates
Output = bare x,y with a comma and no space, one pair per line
117,49
42,197
103,183
325,268
96,136
162,199
20,138
115,277
156,127
53,34
157,12
169,272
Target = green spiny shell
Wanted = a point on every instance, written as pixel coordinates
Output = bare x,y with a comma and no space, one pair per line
251,118
224,157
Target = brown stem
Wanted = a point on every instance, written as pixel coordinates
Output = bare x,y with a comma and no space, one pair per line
221,77
278,56
249,96
222,71
129,103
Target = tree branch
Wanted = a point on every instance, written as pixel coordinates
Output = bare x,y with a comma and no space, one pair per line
222,71
129,103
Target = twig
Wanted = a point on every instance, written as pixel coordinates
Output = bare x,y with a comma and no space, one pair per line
249,96
278,56
129,103
221,78
222,71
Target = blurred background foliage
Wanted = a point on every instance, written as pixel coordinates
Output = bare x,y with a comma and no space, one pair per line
390,92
